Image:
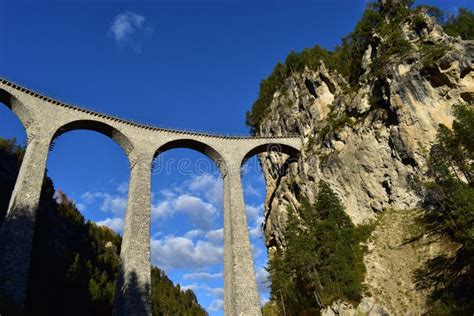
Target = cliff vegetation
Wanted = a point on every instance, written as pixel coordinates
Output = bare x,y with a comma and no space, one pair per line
323,259
347,58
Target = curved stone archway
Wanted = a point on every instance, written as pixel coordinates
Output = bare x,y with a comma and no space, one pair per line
97,126
196,145
17,107
282,148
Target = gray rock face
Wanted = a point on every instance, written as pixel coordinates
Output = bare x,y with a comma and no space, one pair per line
367,307
369,145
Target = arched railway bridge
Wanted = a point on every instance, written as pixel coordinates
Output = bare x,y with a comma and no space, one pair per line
45,119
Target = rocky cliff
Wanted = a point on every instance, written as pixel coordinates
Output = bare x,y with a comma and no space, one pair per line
369,141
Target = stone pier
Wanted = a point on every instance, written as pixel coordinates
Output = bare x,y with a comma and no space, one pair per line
239,271
16,233
133,288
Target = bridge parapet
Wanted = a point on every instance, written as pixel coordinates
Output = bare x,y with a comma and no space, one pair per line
10,86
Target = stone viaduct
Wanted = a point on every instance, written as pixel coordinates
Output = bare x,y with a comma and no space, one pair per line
45,119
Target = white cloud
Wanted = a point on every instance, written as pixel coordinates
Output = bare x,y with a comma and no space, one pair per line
182,252
194,233
255,219
114,204
123,187
203,276
208,185
255,232
168,194
202,214
156,235
126,24
216,236
262,279
250,190
216,305
91,197
116,224
216,291
201,182
161,209
254,213
127,27
256,250
81,207
199,198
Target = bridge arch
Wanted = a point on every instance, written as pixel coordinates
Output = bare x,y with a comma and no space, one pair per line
100,127
289,150
79,165
197,208
254,183
196,145
17,107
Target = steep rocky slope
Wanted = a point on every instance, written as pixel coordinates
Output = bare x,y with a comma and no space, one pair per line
370,141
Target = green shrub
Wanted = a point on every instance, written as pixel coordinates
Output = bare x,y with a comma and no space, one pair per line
461,25
432,53
310,57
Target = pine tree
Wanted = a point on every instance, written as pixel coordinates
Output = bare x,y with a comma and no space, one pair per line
321,261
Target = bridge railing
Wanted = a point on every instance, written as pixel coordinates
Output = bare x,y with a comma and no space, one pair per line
137,123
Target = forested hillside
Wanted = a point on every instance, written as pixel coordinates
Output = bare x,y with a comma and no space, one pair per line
75,262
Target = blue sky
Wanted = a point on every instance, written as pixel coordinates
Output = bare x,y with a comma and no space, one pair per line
184,64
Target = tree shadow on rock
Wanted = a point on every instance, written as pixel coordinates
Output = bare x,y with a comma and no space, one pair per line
450,282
